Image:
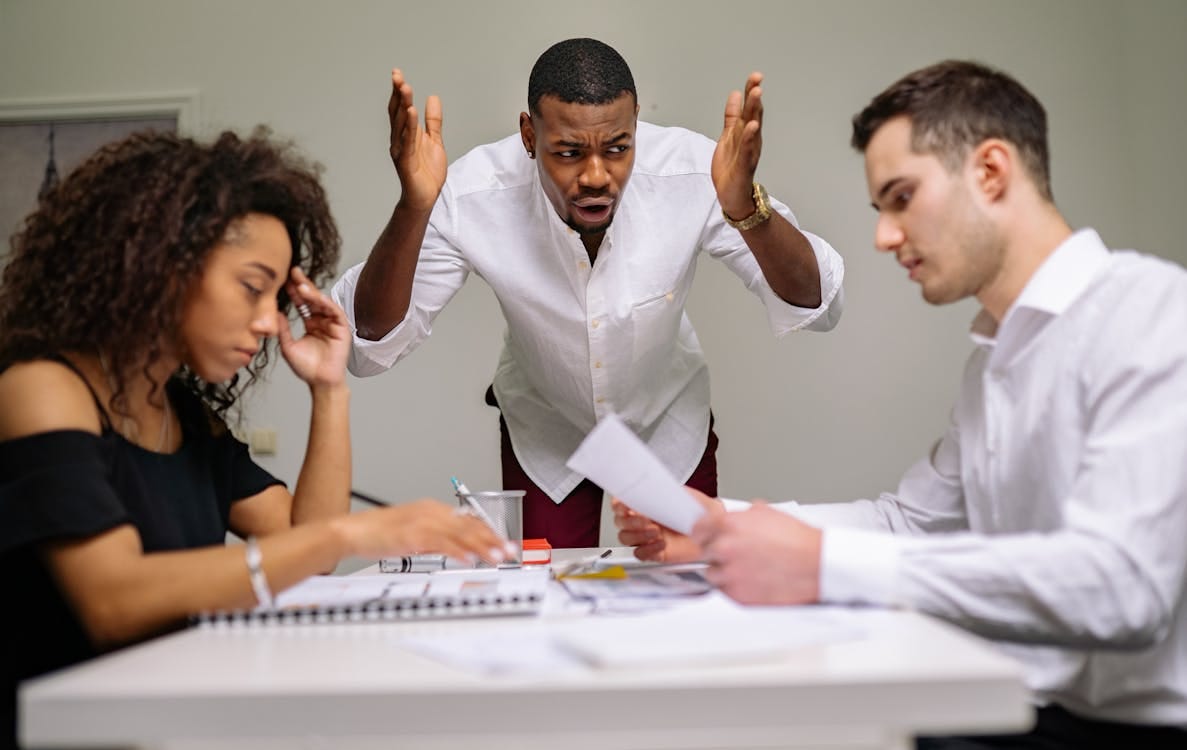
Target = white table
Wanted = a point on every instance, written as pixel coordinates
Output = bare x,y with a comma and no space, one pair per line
354,686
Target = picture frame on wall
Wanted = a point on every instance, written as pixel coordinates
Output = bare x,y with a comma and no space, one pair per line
41,141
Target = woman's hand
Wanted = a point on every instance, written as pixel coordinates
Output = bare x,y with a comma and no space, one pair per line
319,356
423,526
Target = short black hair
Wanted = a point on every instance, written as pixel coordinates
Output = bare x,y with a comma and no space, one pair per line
580,71
956,104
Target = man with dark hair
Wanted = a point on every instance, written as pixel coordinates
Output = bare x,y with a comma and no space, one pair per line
591,276
1050,517
948,120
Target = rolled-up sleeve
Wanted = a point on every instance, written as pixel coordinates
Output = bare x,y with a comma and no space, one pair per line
441,270
725,243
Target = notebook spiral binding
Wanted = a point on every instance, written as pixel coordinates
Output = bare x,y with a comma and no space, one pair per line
394,609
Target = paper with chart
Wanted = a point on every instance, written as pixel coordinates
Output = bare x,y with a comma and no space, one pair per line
616,460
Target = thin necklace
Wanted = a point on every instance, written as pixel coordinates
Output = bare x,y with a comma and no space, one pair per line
163,437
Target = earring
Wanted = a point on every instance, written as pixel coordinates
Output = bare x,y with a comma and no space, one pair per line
531,154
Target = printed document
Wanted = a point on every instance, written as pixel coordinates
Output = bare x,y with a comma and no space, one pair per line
615,459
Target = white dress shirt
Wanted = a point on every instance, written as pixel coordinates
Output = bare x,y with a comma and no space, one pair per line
583,341
1054,511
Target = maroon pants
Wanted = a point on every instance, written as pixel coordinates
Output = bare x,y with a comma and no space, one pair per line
577,521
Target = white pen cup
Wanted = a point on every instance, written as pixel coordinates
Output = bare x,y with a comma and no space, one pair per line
504,513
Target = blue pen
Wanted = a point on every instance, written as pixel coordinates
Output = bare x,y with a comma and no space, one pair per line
513,550
466,497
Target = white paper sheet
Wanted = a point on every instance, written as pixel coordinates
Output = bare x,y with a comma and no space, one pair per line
710,629
523,650
615,459
343,591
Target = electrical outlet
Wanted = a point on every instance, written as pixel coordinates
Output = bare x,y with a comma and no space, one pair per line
262,442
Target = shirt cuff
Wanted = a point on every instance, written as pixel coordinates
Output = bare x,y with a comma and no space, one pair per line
784,317
859,567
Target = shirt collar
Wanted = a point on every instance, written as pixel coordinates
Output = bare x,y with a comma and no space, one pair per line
1058,282
1064,276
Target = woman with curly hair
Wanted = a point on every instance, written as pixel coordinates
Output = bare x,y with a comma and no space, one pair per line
137,302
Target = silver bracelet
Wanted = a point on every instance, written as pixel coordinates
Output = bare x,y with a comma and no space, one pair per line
255,571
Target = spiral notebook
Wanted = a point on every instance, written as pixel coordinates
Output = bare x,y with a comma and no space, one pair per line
368,598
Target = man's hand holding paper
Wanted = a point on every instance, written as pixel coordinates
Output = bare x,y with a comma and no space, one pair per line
615,459
654,542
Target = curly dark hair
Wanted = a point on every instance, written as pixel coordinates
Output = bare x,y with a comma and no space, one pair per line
956,104
579,71
104,262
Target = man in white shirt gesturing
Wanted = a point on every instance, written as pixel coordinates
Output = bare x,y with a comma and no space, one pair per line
586,225
1052,515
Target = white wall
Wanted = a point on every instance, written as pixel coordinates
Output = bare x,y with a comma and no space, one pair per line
815,416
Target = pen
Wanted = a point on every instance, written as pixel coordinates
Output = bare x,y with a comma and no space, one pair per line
367,499
424,564
582,565
465,495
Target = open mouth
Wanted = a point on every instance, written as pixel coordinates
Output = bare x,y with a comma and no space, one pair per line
912,267
593,210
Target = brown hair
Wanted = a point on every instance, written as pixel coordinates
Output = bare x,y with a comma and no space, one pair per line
104,263
954,106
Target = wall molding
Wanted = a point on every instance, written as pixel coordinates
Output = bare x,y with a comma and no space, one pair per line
183,105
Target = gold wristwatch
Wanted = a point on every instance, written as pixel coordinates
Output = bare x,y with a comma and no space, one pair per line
762,211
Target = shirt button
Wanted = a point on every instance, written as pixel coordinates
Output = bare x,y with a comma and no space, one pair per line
600,400
594,324
597,365
582,264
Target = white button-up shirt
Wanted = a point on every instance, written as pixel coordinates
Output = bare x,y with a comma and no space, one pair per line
583,341
1059,492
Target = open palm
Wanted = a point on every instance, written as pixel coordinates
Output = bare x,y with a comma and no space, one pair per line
417,152
735,159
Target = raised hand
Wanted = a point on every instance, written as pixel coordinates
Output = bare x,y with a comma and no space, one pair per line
319,356
417,152
736,158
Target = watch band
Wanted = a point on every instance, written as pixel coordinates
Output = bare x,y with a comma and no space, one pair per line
762,210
